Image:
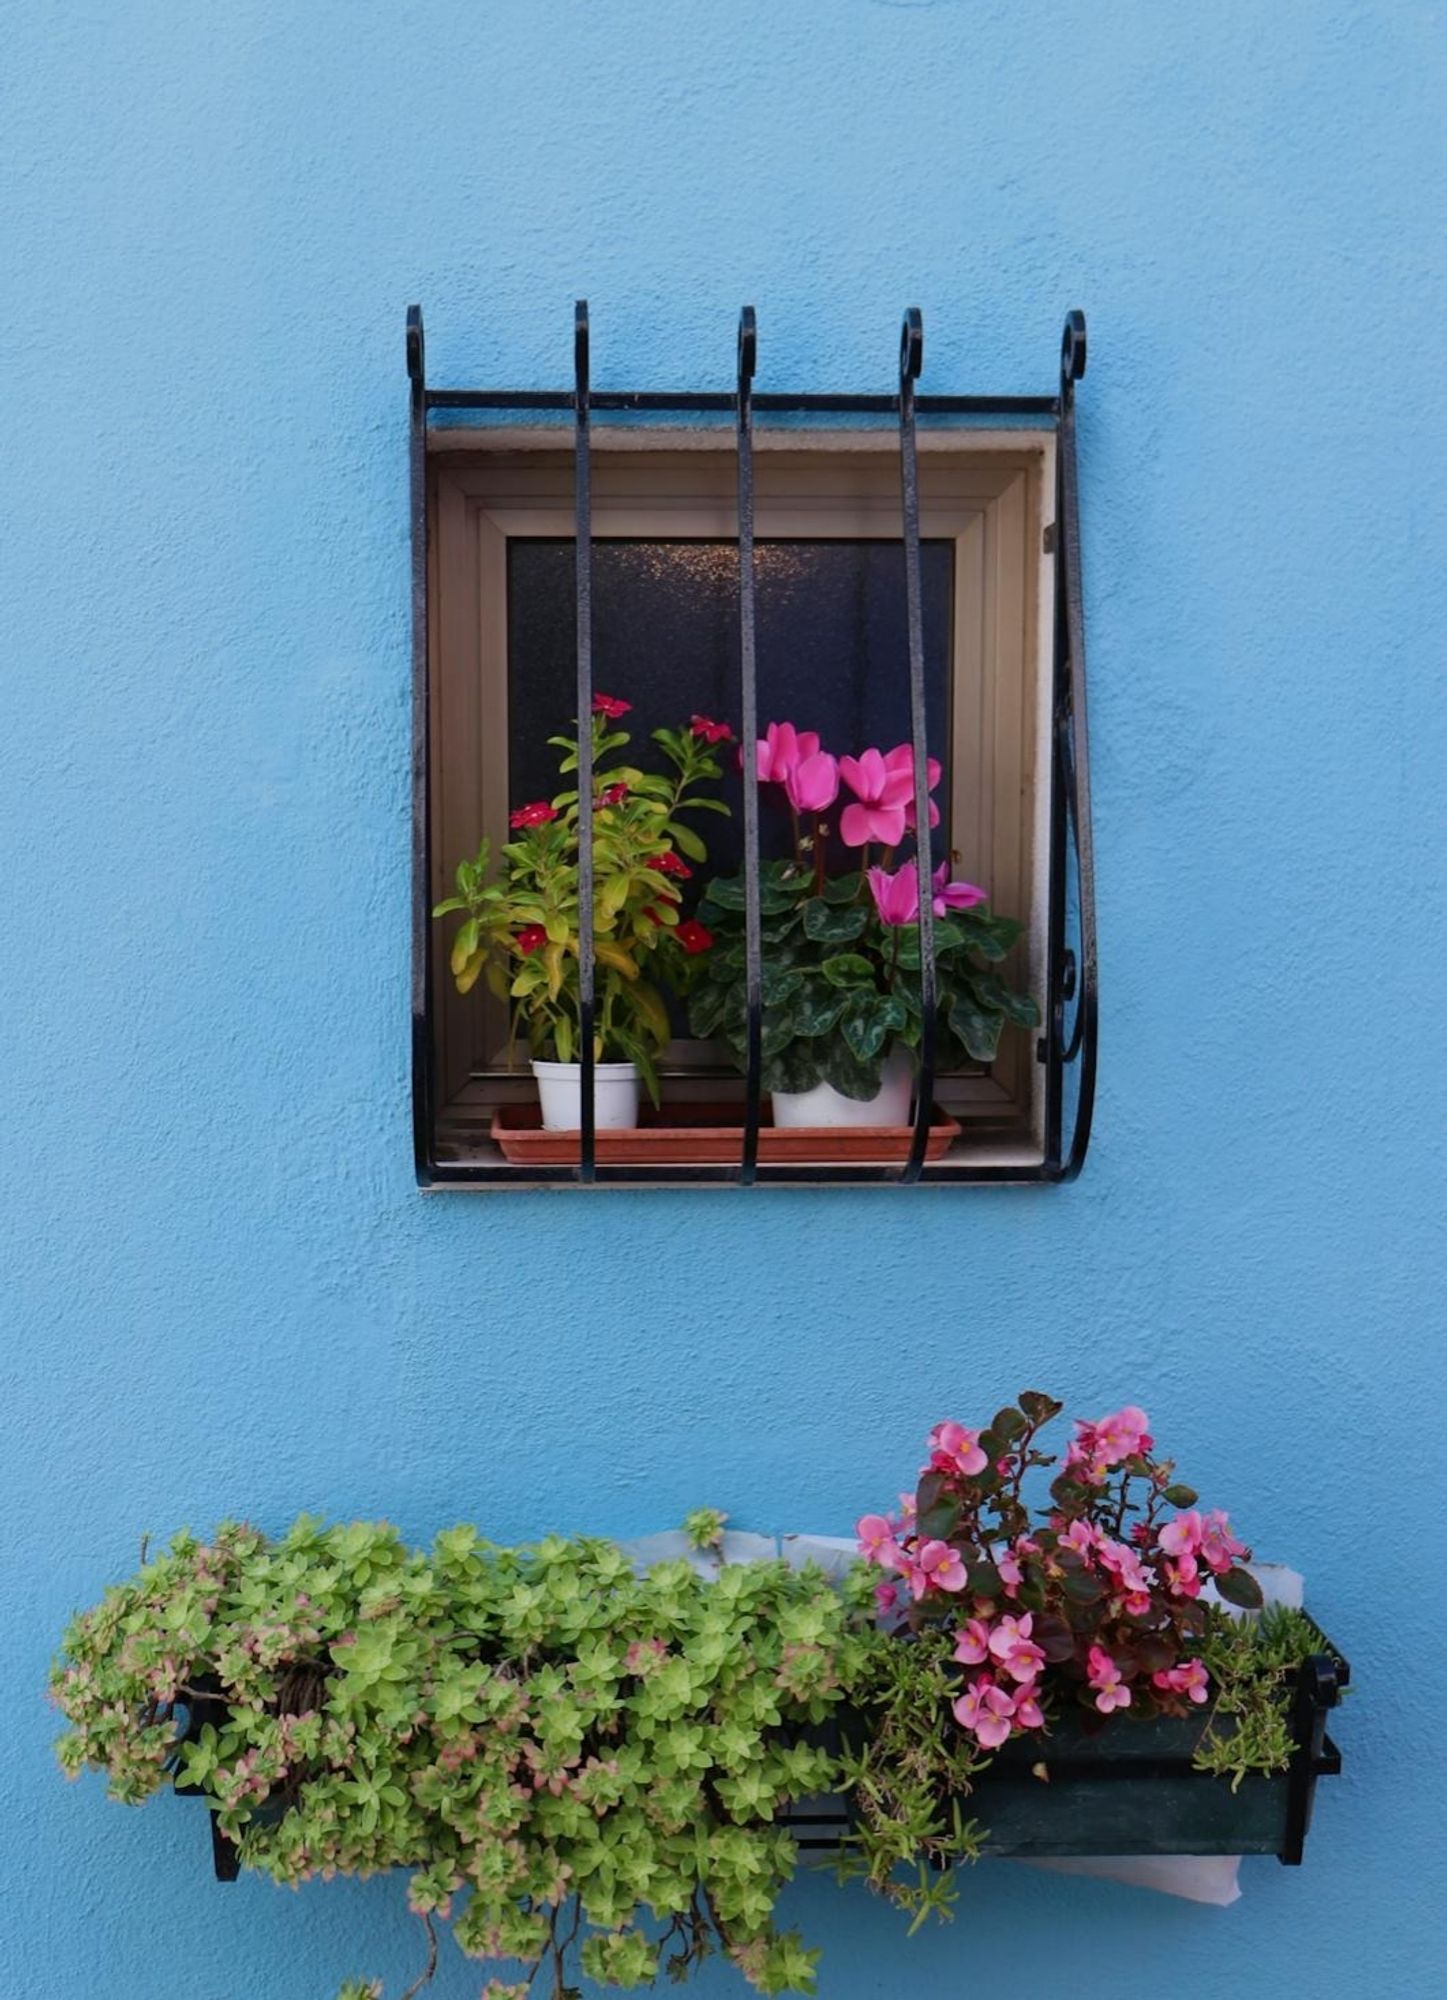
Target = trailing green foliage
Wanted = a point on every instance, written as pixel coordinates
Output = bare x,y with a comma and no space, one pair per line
555,1748
582,1769
1253,1667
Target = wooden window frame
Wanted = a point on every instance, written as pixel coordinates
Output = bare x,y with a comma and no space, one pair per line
991,494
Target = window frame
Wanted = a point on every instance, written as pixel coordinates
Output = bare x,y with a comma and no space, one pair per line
989,494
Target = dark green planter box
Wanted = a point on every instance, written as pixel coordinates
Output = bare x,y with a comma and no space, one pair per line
1131,1788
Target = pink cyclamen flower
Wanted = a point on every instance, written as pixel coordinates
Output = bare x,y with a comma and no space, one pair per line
882,794
986,1711
1218,1545
1110,1690
1189,1678
902,759
972,1643
812,785
950,895
1184,1535
876,1541
896,897
781,748
952,1448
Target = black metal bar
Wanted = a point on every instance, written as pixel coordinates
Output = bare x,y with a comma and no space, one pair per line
749,738
583,564
1075,752
422,1084
911,360
1069,979
702,402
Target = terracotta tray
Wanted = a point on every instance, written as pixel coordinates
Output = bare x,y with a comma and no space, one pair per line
712,1135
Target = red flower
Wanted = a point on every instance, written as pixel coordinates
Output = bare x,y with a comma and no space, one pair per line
612,795
693,936
609,705
532,937
537,814
711,732
669,863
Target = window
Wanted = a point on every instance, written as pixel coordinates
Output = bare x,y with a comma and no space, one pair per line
831,656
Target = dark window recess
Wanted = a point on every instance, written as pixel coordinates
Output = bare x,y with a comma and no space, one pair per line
853,637
832,648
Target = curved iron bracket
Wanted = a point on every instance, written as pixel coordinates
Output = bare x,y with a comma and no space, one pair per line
1073,1014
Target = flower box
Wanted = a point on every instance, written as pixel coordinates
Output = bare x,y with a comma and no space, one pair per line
1132,1789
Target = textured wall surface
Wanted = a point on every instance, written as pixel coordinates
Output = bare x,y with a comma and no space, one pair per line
221,1291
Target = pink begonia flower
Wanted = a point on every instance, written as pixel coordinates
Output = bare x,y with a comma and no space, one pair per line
881,793
1189,1678
1110,1690
1080,1536
1124,1564
1028,1712
907,1508
1181,1577
1123,1434
885,1599
1012,1646
1218,1545
952,1448
1183,1536
950,895
936,1565
896,897
972,1643
1099,1446
902,759
812,784
876,1541
1011,1575
986,1711
781,748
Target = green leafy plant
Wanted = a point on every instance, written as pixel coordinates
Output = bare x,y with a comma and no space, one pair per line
1252,1668
520,928
842,985
583,1768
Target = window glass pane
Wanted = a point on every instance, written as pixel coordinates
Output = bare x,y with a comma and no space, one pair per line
832,650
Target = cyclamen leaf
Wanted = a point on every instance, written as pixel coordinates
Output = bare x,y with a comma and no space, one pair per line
848,968
828,924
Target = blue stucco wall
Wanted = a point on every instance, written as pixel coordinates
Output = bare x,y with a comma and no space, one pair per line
221,1291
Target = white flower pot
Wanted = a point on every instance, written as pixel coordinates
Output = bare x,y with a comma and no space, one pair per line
615,1096
824,1105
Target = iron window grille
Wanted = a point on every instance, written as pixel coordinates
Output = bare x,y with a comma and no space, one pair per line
1066,1045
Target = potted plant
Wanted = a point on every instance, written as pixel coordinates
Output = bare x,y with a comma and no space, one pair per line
843,1011
520,925
588,1768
